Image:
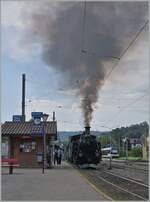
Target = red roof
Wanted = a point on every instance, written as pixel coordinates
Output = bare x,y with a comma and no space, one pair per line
24,128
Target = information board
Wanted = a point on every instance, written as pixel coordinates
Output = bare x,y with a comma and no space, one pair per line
37,129
17,118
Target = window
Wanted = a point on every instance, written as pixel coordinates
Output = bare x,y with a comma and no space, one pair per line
27,146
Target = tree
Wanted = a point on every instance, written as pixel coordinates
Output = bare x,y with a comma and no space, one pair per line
104,140
136,152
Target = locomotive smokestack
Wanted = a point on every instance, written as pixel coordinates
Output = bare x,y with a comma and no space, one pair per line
87,130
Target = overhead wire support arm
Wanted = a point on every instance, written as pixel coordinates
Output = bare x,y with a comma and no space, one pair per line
114,57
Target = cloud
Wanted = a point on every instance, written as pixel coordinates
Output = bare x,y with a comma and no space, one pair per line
131,73
11,14
13,26
130,82
62,46
41,104
14,48
68,92
63,111
127,83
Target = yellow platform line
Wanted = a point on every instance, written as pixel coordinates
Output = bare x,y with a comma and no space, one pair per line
95,188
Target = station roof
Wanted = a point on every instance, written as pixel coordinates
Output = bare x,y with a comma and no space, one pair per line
135,141
25,128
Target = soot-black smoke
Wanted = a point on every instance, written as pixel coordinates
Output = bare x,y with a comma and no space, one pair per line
78,49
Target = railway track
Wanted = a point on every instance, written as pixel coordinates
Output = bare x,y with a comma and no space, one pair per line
117,187
129,179
130,165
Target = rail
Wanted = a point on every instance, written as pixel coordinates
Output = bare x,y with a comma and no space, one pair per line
117,187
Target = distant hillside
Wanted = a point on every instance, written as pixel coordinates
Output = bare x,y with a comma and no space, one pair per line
132,131
64,135
118,134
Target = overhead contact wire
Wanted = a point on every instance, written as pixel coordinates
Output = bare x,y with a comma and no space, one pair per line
124,52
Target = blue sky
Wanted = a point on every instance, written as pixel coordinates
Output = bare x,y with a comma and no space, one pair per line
115,106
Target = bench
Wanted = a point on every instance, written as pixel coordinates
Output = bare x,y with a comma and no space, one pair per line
11,163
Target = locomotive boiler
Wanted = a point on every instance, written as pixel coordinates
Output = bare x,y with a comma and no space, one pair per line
84,150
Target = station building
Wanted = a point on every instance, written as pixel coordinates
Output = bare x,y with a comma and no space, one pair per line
24,146
135,142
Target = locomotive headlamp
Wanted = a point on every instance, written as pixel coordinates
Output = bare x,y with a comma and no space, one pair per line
80,154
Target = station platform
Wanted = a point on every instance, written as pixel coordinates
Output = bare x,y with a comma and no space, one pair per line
63,182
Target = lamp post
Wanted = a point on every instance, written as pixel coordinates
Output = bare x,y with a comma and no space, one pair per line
44,117
110,158
52,150
126,149
125,140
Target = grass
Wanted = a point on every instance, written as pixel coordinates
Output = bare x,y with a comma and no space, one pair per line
130,158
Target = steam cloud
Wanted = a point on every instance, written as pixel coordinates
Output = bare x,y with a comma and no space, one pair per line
109,27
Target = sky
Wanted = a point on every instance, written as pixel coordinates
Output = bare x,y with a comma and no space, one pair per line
123,99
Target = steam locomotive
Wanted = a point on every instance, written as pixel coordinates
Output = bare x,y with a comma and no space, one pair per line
84,150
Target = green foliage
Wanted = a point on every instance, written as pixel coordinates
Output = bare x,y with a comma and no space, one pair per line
130,158
136,152
104,140
121,154
65,142
117,135
133,131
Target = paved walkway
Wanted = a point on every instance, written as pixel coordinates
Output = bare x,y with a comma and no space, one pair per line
60,183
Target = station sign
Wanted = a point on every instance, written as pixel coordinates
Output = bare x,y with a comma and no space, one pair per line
37,117
17,118
37,129
52,142
37,114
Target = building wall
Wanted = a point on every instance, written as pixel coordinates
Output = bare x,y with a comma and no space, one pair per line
27,159
4,147
135,145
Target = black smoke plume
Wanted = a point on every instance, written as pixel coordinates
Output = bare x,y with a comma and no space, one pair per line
78,47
